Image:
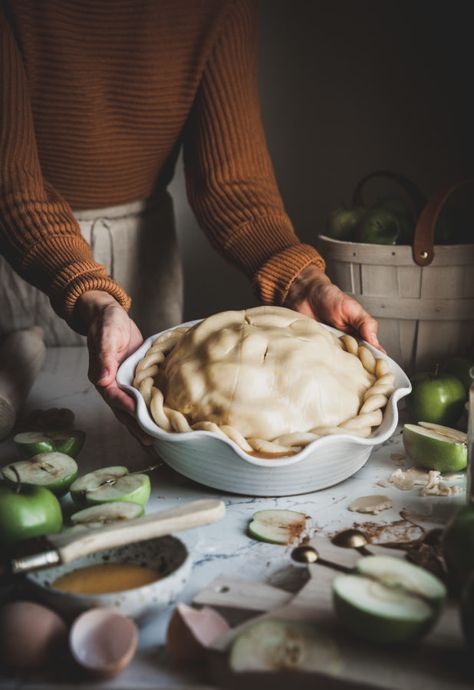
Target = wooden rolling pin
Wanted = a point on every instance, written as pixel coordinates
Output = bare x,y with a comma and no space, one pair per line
22,355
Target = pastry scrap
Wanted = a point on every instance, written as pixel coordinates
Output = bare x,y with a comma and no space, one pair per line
269,379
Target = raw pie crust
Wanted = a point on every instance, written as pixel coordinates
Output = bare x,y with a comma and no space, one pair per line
269,379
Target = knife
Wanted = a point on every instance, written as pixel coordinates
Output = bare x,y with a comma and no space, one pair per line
76,542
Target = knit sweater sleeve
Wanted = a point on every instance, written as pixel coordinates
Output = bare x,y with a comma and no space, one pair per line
230,180
38,233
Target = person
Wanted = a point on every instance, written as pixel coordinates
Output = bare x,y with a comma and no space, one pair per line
96,101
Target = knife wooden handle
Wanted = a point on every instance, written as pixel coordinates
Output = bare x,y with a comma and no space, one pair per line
194,514
22,355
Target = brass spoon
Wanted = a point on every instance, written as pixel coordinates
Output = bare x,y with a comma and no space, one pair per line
352,539
309,556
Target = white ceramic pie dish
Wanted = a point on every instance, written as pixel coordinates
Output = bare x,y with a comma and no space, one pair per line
208,459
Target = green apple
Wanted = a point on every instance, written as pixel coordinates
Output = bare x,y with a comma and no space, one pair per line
342,223
437,398
55,471
458,547
52,419
404,214
33,442
461,368
388,600
27,512
111,484
435,447
378,226
467,613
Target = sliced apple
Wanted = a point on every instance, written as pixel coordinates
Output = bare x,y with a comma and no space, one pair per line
111,484
388,600
278,645
33,442
435,447
277,526
55,471
106,513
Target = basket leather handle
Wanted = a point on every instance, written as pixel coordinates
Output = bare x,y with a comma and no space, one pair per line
416,198
423,242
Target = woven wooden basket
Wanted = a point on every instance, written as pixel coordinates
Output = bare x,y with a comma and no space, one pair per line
422,296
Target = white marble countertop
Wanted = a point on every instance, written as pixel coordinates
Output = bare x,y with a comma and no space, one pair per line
219,549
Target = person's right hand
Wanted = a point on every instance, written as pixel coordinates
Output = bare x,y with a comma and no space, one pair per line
111,337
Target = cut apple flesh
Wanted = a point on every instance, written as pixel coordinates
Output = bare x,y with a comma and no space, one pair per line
34,442
380,600
55,471
401,575
388,600
111,484
277,645
444,431
277,526
107,513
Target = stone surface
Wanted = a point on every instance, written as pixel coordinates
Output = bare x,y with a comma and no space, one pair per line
219,549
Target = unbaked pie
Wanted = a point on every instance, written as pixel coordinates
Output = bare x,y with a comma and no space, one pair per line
269,379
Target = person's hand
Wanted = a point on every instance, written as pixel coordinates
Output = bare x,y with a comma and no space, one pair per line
111,337
314,295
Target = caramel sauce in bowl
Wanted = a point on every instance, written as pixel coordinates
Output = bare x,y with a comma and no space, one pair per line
135,580
105,578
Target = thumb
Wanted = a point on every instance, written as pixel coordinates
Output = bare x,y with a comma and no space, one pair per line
108,362
368,329
103,363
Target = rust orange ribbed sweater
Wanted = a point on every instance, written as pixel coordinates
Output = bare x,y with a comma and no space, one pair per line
96,97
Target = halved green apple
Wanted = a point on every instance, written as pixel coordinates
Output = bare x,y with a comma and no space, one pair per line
388,600
435,447
55,471
110,484
33,442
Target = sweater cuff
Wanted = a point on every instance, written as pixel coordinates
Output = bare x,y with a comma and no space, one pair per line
65,281
274,279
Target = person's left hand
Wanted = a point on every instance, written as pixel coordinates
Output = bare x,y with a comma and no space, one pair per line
314,295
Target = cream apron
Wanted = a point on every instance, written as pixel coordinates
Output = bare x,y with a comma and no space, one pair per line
137,244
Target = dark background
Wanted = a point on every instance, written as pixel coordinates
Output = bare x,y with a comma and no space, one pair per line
347,87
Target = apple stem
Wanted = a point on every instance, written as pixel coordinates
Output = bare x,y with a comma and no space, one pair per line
436,369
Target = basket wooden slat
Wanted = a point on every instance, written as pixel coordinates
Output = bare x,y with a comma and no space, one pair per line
425,313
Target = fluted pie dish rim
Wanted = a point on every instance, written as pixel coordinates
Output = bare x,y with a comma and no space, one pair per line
125,377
